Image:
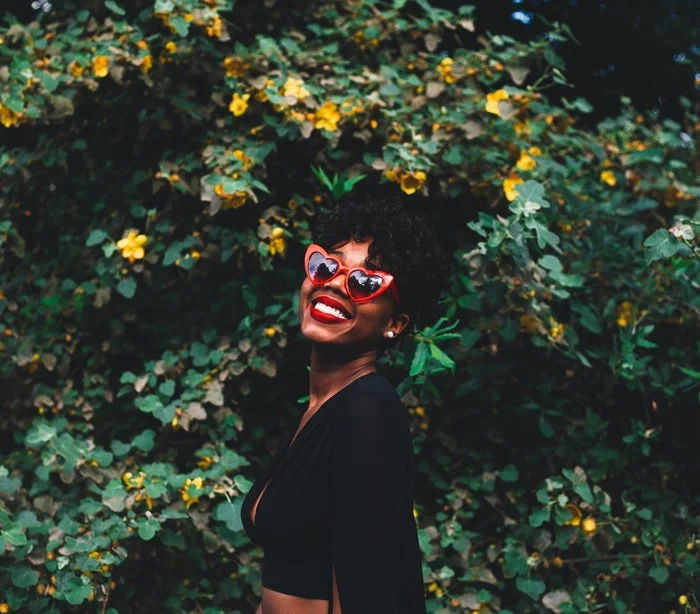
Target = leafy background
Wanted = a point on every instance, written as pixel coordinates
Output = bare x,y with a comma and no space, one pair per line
162,163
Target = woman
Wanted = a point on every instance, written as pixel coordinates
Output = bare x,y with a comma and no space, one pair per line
334,509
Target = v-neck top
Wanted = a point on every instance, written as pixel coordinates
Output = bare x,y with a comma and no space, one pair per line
340,498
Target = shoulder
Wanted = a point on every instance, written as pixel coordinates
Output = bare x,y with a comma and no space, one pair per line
372,399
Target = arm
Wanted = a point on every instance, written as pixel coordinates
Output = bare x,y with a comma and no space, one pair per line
372,521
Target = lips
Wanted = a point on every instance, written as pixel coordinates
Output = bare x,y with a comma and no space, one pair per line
328,318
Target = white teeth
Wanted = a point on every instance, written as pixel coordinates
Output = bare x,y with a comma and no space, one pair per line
331,310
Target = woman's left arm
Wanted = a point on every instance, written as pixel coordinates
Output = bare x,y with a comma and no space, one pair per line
372,506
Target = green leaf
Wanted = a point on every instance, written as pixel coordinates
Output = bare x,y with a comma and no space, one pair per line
691,372
551,263
39,434
660,573
96,237
660,244
15,536
530,586
23,576
9,485
419,358
509,473
144,441
127,287
77,590
453,155
441,357
147,528
181,25
538,517
167,388
230,514
114,7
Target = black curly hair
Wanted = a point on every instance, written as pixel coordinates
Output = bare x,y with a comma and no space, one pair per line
404,244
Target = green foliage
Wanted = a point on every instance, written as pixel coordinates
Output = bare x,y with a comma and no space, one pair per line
155,202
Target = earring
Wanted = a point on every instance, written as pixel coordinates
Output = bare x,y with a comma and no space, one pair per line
389,334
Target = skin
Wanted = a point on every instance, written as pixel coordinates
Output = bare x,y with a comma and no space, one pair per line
340,353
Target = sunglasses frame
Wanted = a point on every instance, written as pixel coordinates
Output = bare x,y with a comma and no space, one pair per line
389,283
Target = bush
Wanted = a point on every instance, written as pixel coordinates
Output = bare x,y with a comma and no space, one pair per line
156,199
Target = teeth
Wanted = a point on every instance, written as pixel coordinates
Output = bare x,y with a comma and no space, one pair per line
331,310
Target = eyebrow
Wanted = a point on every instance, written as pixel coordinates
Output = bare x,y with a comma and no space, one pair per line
337,251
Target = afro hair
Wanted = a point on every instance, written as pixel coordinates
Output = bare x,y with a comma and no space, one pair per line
403,243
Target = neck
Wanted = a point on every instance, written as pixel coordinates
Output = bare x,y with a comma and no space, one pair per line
332,370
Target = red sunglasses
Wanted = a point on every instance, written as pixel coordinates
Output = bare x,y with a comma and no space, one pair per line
361,284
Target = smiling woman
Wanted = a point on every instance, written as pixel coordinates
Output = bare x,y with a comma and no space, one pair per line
334,508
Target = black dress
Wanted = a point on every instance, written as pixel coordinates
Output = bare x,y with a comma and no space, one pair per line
340,498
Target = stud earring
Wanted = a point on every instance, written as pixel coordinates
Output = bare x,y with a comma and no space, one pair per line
389,334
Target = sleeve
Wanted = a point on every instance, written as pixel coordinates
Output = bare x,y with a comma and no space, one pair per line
375,558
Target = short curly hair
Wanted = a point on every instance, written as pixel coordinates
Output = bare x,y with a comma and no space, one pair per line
404,244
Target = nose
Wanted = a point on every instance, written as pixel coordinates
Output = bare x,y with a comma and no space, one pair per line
338,284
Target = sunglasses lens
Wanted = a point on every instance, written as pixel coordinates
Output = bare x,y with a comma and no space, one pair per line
362,286
320,268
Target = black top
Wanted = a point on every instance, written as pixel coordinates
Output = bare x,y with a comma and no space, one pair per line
341,498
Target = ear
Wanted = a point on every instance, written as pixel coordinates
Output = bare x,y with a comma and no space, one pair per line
400,323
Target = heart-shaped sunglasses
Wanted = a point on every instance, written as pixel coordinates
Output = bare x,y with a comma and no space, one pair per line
361,284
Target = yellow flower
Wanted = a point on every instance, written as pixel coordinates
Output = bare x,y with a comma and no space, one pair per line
146,63
327,116
205,462
240,155
492,100
171,47
509,184
277,242
420,411
100,65
295,87
521,128
392,174
434,588
445,70
215,29
238,104
231,201
133,481
95,555
142,44
185,490
589,525
534,151
131,246
75,69
235,66
624,313
9,118
556,330
4,607
608,177
525,162
412,181
682,599
270,331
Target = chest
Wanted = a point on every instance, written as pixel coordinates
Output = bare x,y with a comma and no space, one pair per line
291,500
